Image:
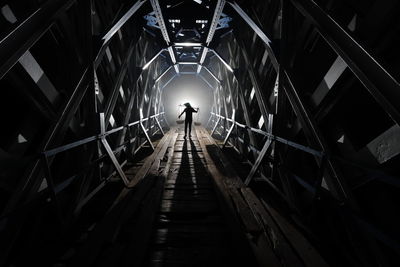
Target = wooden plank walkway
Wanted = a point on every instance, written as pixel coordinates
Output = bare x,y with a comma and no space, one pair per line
187,207
190,228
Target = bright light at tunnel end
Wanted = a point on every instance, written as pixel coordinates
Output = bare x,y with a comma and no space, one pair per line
188,44
191,90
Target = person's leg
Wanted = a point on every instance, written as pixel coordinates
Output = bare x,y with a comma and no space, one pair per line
190,128
186,125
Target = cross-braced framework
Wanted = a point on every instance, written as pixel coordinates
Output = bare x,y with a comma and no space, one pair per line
86,110
272,110
313,115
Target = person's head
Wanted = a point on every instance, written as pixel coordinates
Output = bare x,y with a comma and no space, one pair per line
188,105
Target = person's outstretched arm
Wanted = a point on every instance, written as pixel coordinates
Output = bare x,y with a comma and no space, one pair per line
182,113
196,110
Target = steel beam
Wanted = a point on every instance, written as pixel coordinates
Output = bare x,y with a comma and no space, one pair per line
230,129
28,32
152,59
212,75
109,151
157,9
382,86
121,22
336,182
162,75
117,26
215,126
144,130
215,20
172,54
258,31
202,58
222,60
258,91
112,100
159,125
258,161
115,161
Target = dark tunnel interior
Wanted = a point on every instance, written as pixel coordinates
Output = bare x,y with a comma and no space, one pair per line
293,158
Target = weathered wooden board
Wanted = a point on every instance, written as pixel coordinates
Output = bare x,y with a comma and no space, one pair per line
229,187
189,208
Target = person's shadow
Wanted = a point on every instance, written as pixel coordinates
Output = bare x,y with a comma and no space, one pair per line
192,176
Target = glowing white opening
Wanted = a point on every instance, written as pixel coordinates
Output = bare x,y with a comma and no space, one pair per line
187,44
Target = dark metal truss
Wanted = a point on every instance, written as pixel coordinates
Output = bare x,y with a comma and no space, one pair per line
87,127
105,105
261,112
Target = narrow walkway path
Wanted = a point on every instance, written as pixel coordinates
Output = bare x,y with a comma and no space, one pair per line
190,229
186,206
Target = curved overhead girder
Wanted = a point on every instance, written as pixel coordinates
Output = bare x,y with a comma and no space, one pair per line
175,75
199,64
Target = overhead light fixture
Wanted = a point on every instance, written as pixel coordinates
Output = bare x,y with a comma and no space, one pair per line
188,44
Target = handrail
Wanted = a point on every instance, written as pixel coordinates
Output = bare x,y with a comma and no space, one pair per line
378,174
276,138
54,151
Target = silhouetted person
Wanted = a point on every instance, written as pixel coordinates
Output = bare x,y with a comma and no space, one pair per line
188,117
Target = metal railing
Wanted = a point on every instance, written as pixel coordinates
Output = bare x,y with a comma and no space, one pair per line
316,189
45,157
